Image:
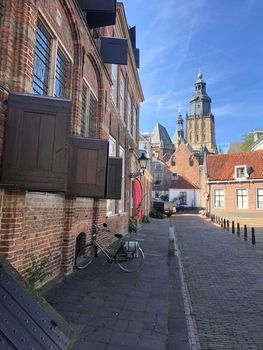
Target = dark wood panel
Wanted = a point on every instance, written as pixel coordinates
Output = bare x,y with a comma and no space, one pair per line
35,147
114,178
88,166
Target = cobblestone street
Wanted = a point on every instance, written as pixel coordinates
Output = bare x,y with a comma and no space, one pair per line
224,276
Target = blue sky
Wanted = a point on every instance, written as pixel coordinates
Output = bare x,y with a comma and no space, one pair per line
224,38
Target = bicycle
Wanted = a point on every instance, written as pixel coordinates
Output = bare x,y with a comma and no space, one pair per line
127,254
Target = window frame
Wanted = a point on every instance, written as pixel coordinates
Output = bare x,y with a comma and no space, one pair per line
111,203
114,77
85,122
220,196
121,96
55,46
158,166
241,189
183,194
129,112
122,200
160,175
246,175
257,199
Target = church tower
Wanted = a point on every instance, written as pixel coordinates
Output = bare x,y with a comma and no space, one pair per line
200,124
179,132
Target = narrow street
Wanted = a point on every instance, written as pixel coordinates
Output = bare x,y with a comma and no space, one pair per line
224,277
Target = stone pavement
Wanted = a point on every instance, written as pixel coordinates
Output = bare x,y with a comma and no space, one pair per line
224,277
113,310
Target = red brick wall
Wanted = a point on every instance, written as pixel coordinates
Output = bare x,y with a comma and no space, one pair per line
182,167
38,225
251,215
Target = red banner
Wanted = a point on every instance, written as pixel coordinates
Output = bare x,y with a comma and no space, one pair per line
137,198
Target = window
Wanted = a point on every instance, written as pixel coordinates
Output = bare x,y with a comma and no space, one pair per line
42,61
260,198
158,179
49,58
60,75
134,121
88,113
241,172
122,97
219,198
182,198
121,201
158,166
174,177
242,198
173,163
112,153
129,111
114,83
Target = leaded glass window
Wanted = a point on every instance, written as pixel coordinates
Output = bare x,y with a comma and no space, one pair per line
88,113
60,75
42,60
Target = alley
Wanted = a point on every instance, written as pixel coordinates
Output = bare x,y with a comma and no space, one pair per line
113,310
224,277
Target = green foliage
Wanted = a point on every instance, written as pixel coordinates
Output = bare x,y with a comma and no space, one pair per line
145,219
247,141
132,224
37,272
156,214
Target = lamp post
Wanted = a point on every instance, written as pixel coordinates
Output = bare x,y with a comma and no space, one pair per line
143,165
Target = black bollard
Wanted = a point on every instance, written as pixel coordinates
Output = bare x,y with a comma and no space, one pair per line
233,227
245,233
224,223
227,225
253,237
238,229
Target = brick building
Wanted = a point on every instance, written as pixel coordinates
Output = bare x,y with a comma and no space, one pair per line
68,102
235,186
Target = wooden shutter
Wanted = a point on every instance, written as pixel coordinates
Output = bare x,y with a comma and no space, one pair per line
114,50
114,178
35,155
88,164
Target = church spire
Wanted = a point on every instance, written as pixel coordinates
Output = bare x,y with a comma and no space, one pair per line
179,132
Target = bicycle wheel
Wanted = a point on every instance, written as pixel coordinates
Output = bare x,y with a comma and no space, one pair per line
85,256
129,262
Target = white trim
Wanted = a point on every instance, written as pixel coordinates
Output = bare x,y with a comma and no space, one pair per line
215,189
246,175
90,88
242,188
258,188
54,34
234,181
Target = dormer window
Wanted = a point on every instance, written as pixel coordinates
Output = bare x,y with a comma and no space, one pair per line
174,176
241,172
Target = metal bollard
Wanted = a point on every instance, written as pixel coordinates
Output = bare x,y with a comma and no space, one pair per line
253,237
233,227
227,225
238,229
224,223
245,233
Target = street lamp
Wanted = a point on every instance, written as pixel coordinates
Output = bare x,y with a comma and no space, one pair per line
143,165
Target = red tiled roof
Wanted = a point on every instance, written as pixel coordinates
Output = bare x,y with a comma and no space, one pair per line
183,183
222,166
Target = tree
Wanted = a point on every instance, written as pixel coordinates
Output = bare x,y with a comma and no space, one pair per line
247,140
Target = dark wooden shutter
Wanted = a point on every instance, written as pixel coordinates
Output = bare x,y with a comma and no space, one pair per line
114,178
35,155
114,50
88,164
99,13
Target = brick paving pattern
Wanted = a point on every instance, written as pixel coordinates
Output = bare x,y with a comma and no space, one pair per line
113,310
224,276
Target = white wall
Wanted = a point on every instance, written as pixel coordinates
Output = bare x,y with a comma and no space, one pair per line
192,196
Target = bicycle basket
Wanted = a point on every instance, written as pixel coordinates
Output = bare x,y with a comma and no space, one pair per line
131,247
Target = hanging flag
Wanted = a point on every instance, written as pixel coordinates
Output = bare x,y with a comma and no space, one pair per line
137,198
